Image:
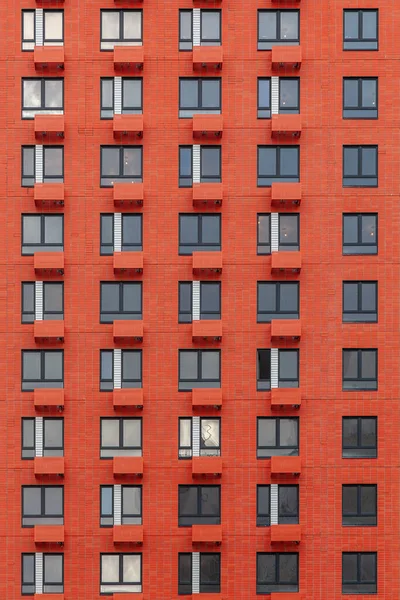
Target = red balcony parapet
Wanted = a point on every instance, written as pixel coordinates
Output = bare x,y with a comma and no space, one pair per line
285,465
128,330
290,397
207,465
49,124
53,397
208,125
207,397
286,328
206,56
203,534
129,56
286,533
49,534
207,330
282,193
283,56
48,465
44,330
286,124
128,193
128,124
286,261
49,193
128,465
207,193
128,261
48,56
207,261
128,397
49,261
128,534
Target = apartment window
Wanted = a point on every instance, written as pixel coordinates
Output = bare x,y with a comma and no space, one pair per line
264,369
130,229
360,98
360,301
53,574
199,232
42,369
120,573
277,300
208,161
360,368
53,164
360,29
277,437
359,573
53,28
209,440
278,163
121,164
42,233
52,301
288,96
42,505
283,509
209,573
130,510
360,166
199,96
121,27
288,368
210,28
120,437
287,227
360,233
359,437
359,504
127,367
277,572
42,96
131,96
278,28
264,98
205,293
199,505
53,437
199,369
120,301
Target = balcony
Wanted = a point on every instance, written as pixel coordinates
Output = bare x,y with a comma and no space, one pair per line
286,533
128,465
207,261
128,398
128,534
285,465
286,125
207,534
208,125
207,330
128,57
285,397
207,56
49,125
207,194
128,193
48,330
285,193
131,331
51,57
128,261
48,398
286,329
286,261
48,465
207,397
286,56
49,534
207,465
49,262
48,194
128,124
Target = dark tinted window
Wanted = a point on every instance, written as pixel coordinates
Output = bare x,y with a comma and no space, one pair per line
277,572
263,234
199,232
360,233
360,98
360,166
359,573
360,301
283,509
205,294
209,163
210,28
288,368
277,437
42,505
277,300
264,369
289,95
264,97
199,95
128,225
199,505
120,301
288,230
278,27
121,164
360,29
42,233
278,163
359,437
199,369
360,369
42,369
359,504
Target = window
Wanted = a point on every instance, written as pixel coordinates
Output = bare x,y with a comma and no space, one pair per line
199,505
120,573
278,28
287,227
53,28
360,301
198,96
42,369
52,301
283,510
131,102
121,28
277,572
360,233
127,512
288,96
359,437
127,366
264,369
277,437
277,300
359,504
209,443
359,573
42,96
120,301
288,368
360,166
208,162
120,437
199,369
210,573
42,505
360,98
53,165
199,232
129,226
42,233
121,164
53,437
210,28
360,369
278,163
207,294
264,98
360,30
53,574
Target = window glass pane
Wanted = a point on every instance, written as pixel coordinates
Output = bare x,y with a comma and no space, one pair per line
209,568
267,297
350,229
109,162
210,25
210,162
131,568
28,25
210,365
53,365
264,229
132,432
53,433
267,25
288,229
132,93
289,297
368,499
266,161
53,571
289,161
368,364
349,499
369,157
368,432
131,229
53,25
189,98
210,96
369,93
209,297
350,362
107,501
288,568
288,500
210,229
266,432
350,162
28,297
110,432
131,365
350,296
185,297
53,93
132,298
349,432
107,93
289,93
368,231
185,160
264,364
368,298
188,229
263,499
350,91
288,364
31,365
107,229
53,229
132,162
185,569
185,32
106,358
31,498
209,500
350,25
131,500
28,433
110,25
369,24
53,162
32,93
187,500
288,432
349,567
367,567
289,25
185,433
28,162
264,93
28,568
53,297
53,498
110,293
110,568
266,568
210,433
132,25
